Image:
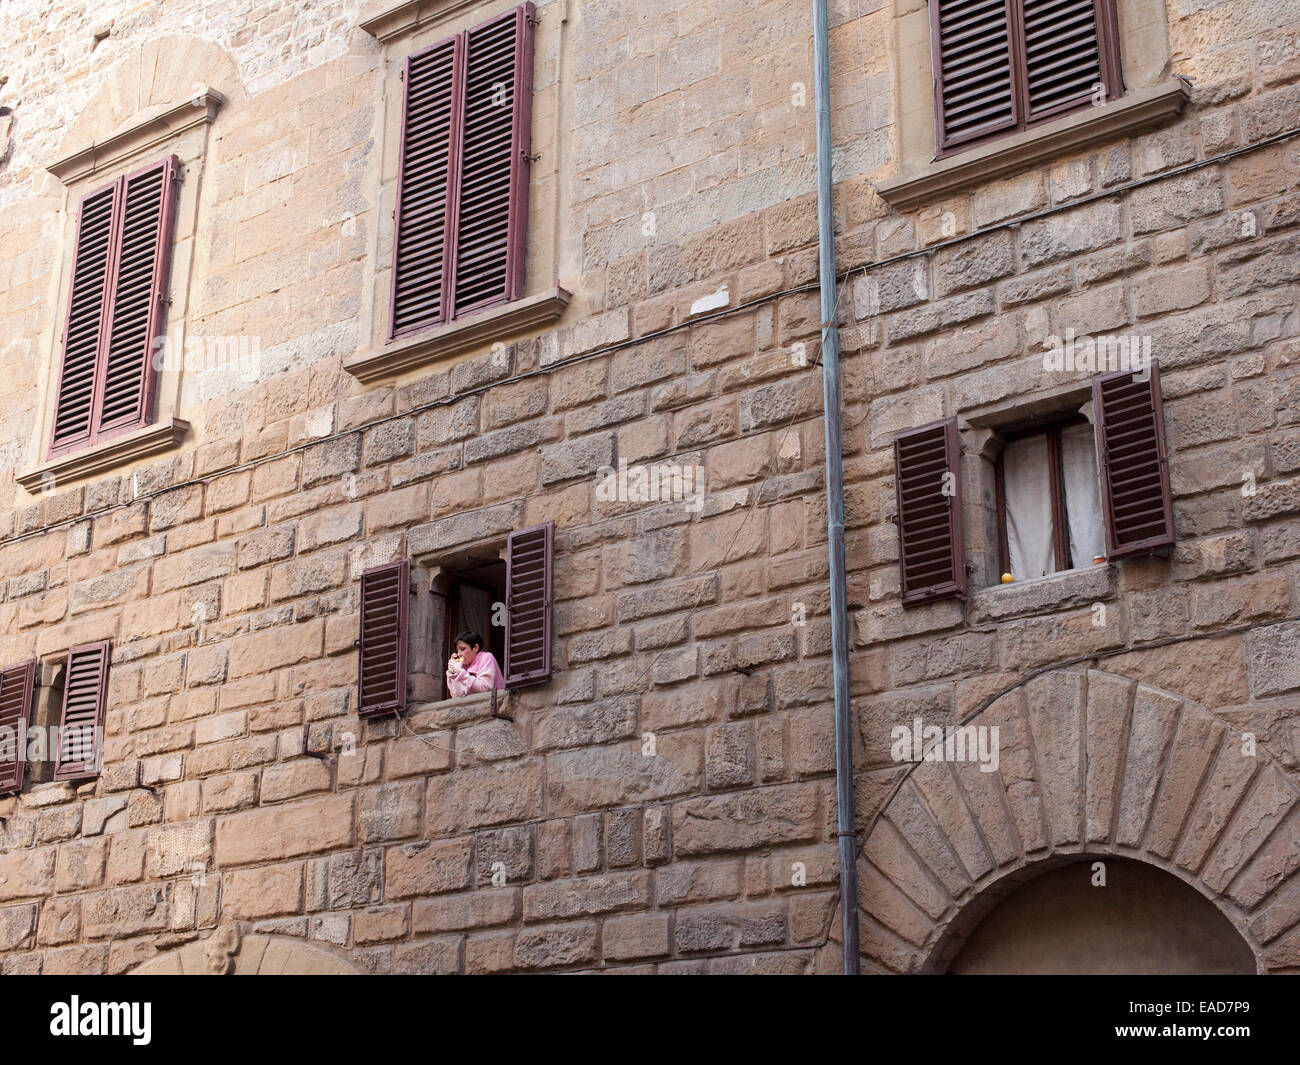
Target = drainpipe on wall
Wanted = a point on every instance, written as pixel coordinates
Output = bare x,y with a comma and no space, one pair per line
830,355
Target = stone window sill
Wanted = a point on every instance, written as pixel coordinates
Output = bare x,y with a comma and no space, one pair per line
447,713
1040,595
1139,109
456,337
112,454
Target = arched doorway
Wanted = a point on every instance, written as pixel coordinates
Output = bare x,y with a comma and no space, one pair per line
1142,920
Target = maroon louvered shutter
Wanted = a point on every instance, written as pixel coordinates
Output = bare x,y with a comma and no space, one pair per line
462,201
927,473
1134,465
116,308
381,659
17,691
81,727
424,209
974,76
529,555
1063,55
139,305
74,407
494,162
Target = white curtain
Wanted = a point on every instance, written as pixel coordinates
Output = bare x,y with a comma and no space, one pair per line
1028,493
1082,494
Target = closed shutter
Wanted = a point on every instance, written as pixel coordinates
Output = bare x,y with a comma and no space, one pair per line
381,658
1002,65
87,302
529,555
1062,54
927,472
462,208
17,692
117,308
81,726
974,74
1134,465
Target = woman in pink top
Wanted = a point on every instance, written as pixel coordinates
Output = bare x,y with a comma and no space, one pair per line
472,669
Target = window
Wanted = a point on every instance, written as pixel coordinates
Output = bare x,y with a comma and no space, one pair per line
473,600
1067,491
462,201
116,309
411,615
58,722
1049,502
1006,65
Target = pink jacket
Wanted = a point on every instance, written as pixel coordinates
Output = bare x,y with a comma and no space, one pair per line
481,675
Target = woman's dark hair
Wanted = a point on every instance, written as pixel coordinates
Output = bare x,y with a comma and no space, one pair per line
470,637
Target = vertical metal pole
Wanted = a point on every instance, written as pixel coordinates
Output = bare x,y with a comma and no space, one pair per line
830,355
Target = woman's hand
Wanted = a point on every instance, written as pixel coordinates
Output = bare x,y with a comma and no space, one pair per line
453,666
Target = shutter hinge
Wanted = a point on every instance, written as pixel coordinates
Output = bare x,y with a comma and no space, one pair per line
533,19
530,158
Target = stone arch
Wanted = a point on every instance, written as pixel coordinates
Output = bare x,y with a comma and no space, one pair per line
152,77
226,952
1092,763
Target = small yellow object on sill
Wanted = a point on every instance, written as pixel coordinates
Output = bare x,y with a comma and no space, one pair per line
1097,560
1007,578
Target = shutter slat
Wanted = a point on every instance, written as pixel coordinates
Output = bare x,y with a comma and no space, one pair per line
381,656
1136,495
529,566
932,555
81,725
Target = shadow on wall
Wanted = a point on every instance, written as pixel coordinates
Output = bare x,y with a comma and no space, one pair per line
1140,920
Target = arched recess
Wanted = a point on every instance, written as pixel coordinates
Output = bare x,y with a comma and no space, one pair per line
1094,915
228,953
151,78
1089,763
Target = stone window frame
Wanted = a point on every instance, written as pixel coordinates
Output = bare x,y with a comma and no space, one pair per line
403,30
1152,97
982,440
181,130
432,575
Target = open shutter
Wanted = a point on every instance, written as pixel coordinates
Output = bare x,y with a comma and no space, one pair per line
494,162
974,90
17,692
462,202
87,304
81,727
116,307
139,305
1134,465
1063,54
529,556
381,665
927,473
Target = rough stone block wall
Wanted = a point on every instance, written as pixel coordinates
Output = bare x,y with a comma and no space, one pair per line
666,802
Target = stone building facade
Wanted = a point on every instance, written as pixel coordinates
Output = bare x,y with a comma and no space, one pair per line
665,801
